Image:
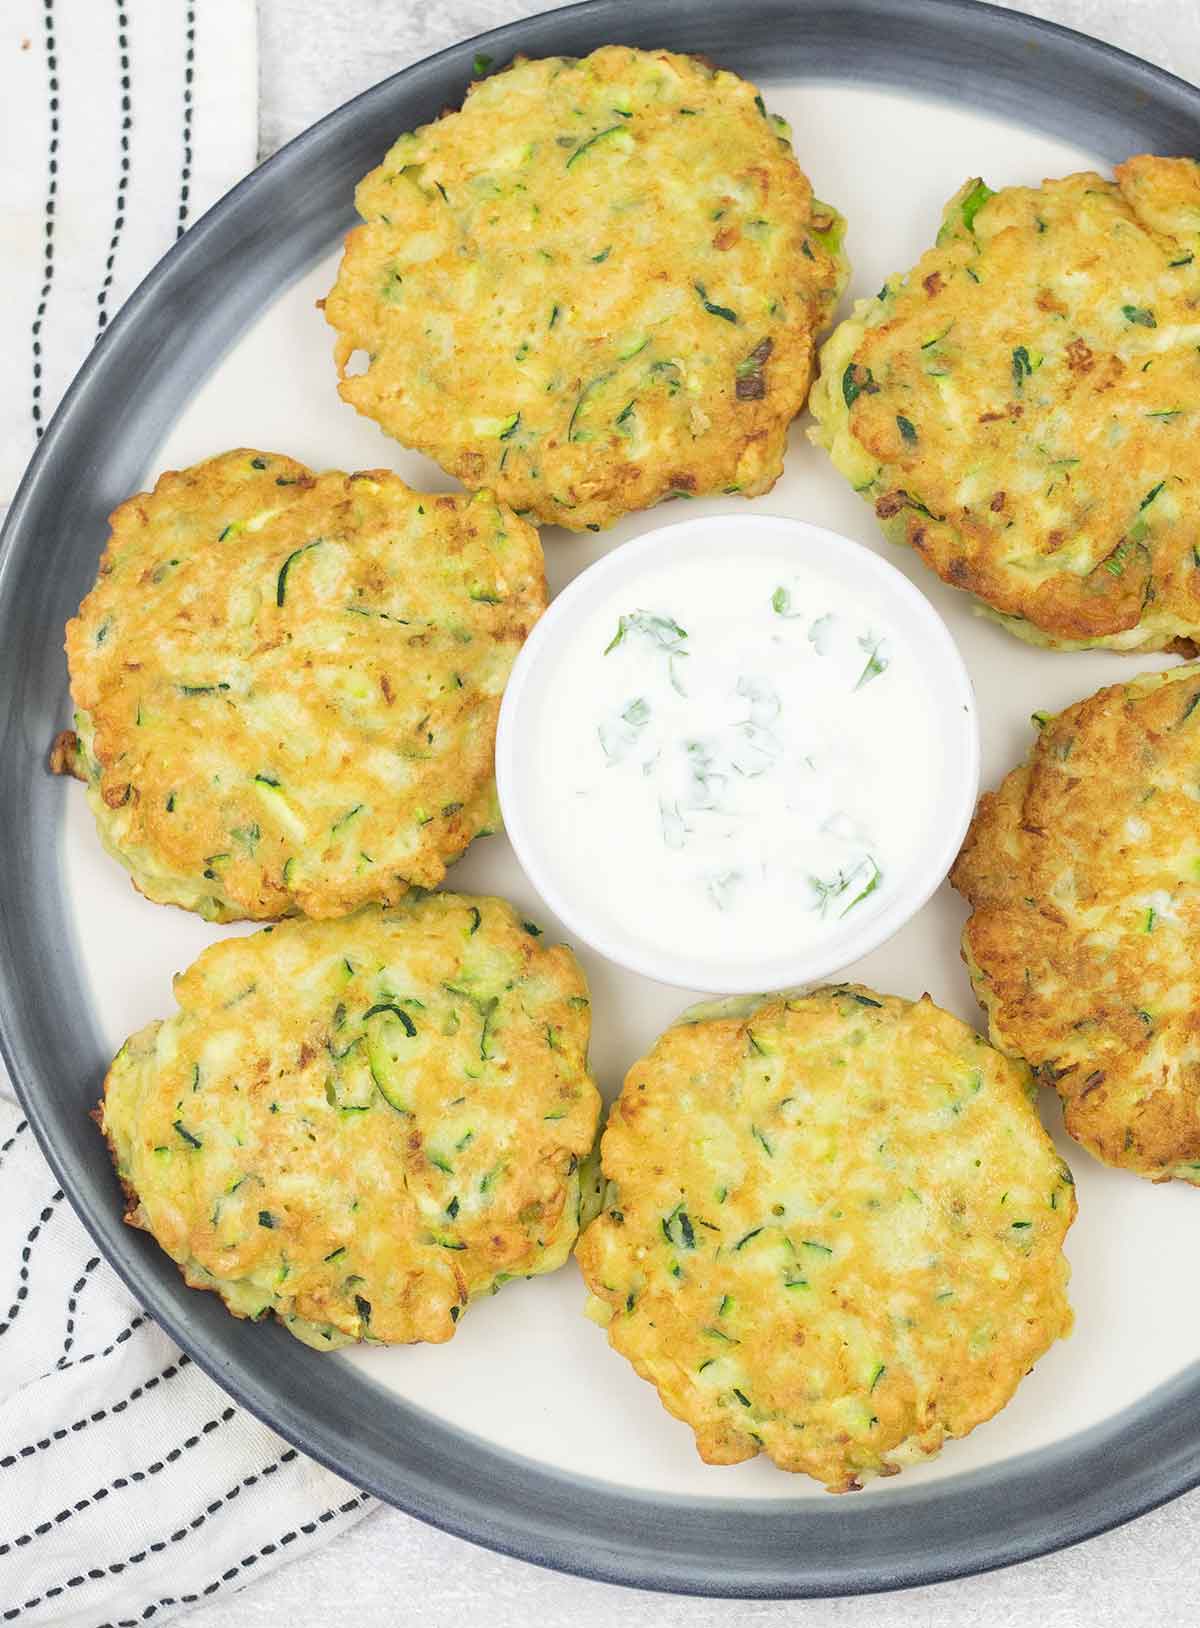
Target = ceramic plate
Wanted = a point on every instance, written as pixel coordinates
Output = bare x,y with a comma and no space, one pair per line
526,1433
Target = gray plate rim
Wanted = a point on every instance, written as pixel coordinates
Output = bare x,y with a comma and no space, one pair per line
101,440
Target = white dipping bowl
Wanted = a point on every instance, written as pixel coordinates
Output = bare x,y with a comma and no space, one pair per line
525,745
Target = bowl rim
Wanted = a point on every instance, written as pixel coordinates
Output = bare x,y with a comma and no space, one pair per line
943,669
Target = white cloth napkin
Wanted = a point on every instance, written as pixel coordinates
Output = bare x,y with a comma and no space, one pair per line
120,124
130,1486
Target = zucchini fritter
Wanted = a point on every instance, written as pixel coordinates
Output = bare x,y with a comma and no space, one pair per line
288,684
359,1125
1083,873
832,1232
594,287
1022,406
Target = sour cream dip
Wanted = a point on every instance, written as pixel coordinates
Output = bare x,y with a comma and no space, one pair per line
736,754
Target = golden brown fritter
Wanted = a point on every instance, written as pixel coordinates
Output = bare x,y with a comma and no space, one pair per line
360,1125
594,287
1023,406
833,1230
288,684
1083,875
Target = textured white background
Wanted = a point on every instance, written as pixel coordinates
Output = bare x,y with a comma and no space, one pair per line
390,1571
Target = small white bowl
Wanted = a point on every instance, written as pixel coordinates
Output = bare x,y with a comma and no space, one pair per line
521,741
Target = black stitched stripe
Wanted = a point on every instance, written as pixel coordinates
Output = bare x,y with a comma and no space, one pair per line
73,1308
48,227
31,1237
114,241
121,1482
62,1433
118,1566
264,1553
189,72
23,1126
126,1333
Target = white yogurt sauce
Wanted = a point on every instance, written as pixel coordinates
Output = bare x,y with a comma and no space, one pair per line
737,757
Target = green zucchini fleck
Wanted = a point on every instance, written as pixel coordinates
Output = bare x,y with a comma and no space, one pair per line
1140,315
281,582
687,1235
722,311
974,202
587,145
339,825
857,381
384,1057
410,1027
576,431
487,1012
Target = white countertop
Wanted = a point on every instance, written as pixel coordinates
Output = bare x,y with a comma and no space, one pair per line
391,1570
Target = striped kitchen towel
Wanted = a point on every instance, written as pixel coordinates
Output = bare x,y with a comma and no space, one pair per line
131,1487
121,122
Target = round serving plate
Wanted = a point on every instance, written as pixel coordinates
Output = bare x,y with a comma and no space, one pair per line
526,1433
